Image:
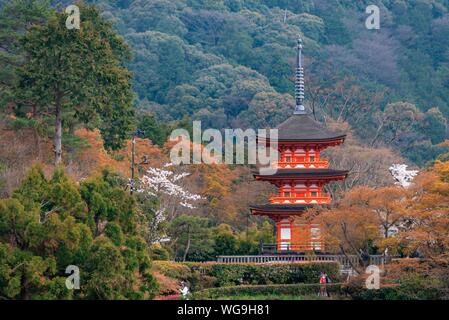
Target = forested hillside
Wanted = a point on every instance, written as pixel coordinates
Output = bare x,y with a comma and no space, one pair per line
230,63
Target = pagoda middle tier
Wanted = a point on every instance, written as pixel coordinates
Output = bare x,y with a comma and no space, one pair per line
302,186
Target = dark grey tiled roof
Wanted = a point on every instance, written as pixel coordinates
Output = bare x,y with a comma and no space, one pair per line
301,127
281,207
312,173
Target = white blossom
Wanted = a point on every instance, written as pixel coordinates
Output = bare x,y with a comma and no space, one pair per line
165,185
159,181
402,176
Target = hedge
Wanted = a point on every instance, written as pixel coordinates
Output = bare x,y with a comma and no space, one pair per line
279,273
339,291
209,280
172,269
302,289
254,274
183,272
398,292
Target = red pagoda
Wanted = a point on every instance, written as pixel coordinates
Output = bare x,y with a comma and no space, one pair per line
301,174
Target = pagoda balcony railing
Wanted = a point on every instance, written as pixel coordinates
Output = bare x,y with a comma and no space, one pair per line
324,199
323,164
286,248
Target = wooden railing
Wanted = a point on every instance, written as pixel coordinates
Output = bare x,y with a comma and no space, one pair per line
324,199
344,261
324,164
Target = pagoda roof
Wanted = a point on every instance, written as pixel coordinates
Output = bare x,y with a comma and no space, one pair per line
305,174
279,209
301,127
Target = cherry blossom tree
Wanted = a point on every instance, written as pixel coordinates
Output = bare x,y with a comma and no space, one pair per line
165,189
402,176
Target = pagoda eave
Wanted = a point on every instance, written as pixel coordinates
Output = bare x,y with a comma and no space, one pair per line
279,210
337,139
304,175
323,143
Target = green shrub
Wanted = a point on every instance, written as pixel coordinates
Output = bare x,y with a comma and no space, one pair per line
206,275
415,288
409,290
302,289
279,273
114,232
172,269
159,253
197,281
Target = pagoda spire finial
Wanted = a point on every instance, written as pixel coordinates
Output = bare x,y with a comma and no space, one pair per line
299,81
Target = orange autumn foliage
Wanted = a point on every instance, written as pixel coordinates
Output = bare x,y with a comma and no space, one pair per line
167,285
94,158
428,211
364,219
20,149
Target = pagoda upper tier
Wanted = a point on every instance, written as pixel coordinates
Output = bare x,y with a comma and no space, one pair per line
301,140
302,128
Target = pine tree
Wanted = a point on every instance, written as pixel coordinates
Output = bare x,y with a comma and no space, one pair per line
78,73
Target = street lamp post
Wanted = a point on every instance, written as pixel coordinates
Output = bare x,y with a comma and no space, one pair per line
136,134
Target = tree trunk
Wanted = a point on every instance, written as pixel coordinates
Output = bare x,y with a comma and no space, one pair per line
354,267
24,293
58,130
376,136
188,244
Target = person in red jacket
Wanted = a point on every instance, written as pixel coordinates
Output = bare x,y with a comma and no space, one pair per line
323,281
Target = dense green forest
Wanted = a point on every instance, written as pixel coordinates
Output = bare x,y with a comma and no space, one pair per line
230,63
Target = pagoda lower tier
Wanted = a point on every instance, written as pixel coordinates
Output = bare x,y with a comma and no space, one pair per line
292,234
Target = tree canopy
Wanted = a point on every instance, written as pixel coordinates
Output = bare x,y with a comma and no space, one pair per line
50,224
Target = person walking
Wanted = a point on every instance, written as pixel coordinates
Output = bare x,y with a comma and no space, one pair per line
328,281
323,292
